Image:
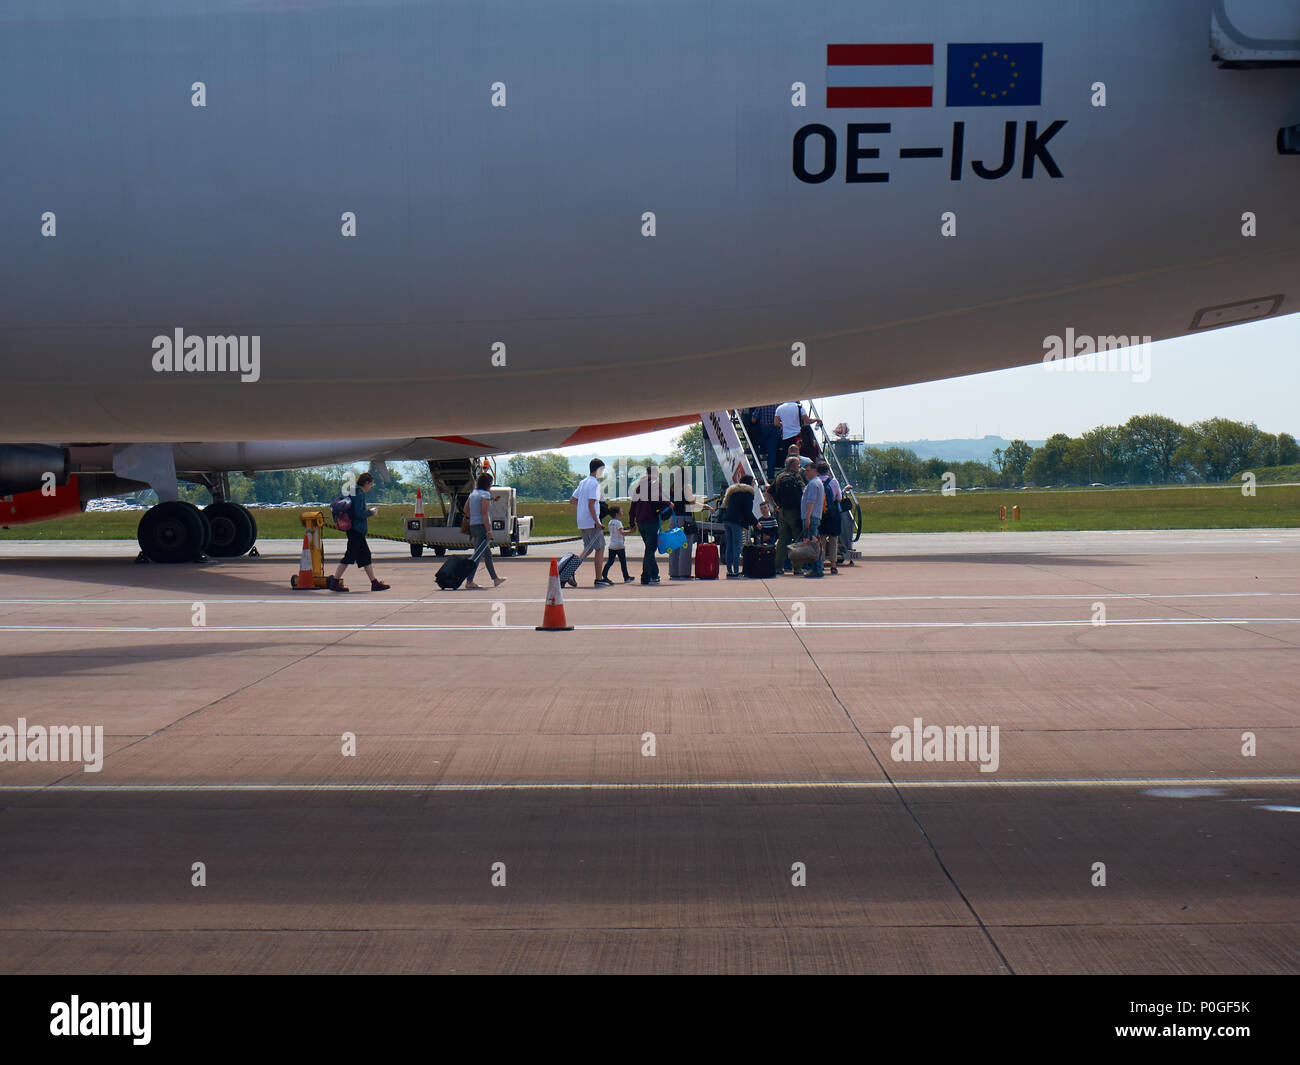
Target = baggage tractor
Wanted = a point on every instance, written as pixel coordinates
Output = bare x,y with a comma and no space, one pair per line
758,561
706,562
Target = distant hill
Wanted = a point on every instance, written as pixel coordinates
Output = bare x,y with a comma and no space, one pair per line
579,463
980,450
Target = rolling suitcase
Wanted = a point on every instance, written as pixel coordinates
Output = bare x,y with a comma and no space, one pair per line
569,565
758,561
706,562
453,573
679,559
679,563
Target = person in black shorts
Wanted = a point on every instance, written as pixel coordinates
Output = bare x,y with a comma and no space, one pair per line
358,551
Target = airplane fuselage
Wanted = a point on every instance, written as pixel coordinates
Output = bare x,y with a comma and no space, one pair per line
454,219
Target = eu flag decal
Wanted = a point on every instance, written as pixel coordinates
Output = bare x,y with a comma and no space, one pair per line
995,75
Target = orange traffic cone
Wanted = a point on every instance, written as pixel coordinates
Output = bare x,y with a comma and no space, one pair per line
419,505
553,619
306,576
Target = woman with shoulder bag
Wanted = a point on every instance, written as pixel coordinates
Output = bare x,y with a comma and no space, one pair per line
476,517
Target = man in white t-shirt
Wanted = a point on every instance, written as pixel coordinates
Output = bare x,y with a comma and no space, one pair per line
587,498
788,425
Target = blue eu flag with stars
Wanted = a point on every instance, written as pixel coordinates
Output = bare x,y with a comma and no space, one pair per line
995,75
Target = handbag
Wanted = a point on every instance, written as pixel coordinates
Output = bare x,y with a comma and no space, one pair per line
804,552
670,539
464,518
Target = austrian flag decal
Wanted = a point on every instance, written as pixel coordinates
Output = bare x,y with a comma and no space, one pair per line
879,75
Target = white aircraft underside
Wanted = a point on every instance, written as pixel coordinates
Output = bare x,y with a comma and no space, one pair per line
517,226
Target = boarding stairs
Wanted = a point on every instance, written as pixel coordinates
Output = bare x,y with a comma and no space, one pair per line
757,463
749,460
453,480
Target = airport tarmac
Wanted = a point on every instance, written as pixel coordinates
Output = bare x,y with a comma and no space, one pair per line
1143,684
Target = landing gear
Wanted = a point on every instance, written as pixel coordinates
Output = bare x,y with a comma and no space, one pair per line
233,529
174,531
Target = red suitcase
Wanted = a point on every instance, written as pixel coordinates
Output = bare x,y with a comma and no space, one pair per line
706,562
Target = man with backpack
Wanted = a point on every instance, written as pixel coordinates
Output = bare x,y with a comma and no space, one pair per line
350,515
787,493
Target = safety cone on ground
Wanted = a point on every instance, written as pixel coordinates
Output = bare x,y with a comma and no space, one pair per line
419,505
306,575
553,619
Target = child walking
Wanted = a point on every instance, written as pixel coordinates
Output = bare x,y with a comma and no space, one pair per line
617,549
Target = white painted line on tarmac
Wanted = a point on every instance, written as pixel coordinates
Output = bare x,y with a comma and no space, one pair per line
665,625
572,597
687,785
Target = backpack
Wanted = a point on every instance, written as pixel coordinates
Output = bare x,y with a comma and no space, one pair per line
787,491
604,510
341,511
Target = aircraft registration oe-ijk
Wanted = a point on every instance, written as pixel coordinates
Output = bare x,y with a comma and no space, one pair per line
256,234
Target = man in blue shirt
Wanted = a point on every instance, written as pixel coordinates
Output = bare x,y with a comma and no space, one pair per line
810,509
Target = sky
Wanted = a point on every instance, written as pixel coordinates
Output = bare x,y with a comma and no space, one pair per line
1248,373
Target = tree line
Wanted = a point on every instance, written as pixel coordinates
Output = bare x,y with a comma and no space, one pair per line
1147,449
318,484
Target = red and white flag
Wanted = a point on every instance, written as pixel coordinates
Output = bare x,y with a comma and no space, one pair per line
879,75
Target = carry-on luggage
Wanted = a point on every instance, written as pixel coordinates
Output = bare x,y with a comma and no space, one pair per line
672,538
758,561
679,562
804,552
453,573
569,565
706,562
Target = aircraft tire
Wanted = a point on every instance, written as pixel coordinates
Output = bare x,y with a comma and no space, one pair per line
233,530
174,531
